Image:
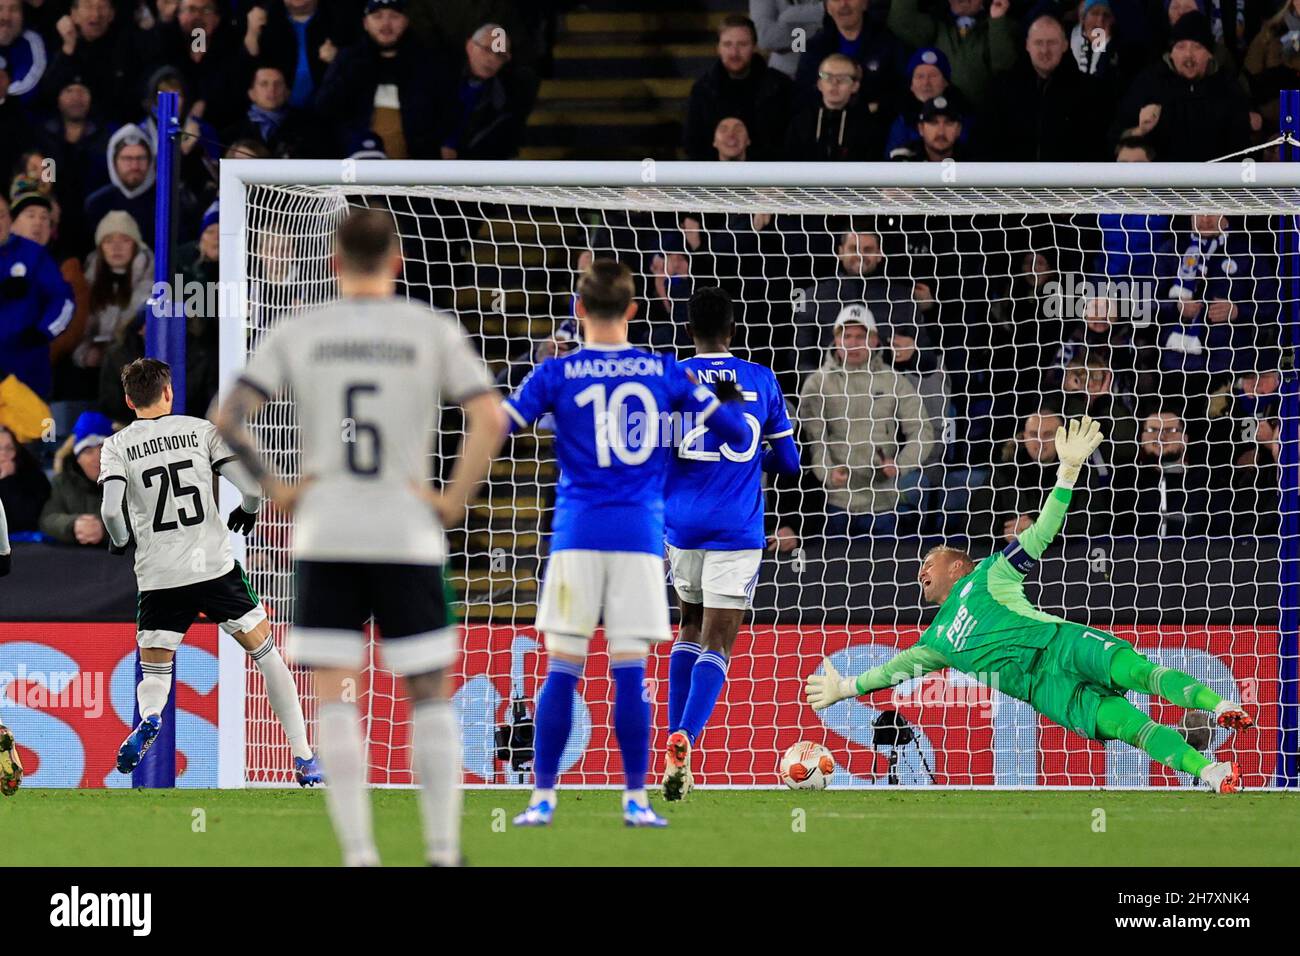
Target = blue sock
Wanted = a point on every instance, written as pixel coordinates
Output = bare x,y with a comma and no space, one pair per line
632,721
707,677
553,721
680,661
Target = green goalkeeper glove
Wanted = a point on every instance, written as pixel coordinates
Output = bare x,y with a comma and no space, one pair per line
1074,446
822,690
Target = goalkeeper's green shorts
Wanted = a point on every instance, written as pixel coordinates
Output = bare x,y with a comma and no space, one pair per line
1071,677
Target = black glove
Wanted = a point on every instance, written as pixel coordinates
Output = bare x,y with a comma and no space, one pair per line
727,390
118,548
6,562
241,520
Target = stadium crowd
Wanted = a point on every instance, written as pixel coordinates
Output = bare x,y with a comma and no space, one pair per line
930,358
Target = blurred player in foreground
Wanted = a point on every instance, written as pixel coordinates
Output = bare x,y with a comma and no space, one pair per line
369,375
1074,675
160,471
611,403
714,519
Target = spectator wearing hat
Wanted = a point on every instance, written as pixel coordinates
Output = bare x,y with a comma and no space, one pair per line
782,25
928,75
859,278
1224,45
1273,61
1044,109
731,140
940,128
36,305
493,97
24,489
866,430
33,218
120,274
286,131
366,145
852,28
71,515
301,38
386,82
740,84
979,44
105,54
1188,108
74,137
131,181
22,53
836,128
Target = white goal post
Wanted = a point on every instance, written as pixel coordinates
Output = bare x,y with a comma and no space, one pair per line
998,297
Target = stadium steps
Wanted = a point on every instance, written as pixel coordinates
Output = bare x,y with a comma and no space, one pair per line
511,470
623,71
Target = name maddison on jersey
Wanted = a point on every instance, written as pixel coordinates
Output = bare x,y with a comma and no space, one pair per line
162,443
614,367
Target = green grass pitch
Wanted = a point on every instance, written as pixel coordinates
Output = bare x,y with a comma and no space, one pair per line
718,828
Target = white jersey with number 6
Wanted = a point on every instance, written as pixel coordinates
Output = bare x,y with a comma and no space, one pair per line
369,377
168,465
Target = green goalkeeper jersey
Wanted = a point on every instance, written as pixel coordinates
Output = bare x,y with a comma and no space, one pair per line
987,627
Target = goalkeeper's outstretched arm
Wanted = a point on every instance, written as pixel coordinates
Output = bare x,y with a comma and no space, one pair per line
1074,445
826,688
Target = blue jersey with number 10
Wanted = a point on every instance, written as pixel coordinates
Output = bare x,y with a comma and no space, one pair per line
613,441
715,490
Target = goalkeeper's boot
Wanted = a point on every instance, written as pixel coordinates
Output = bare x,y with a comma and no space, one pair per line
1233,716
678,781
536,815
639,815
307,772
137,743
1224,777
11,766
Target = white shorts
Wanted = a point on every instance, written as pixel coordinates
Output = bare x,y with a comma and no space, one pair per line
624,588
347,650
721,579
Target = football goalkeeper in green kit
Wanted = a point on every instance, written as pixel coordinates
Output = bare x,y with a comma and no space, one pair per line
1074,675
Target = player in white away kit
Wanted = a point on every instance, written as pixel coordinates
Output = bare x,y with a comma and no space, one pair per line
11,768
369,375
610,402
160,471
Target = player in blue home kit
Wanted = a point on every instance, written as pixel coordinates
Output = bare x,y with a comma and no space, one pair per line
714,523
613,406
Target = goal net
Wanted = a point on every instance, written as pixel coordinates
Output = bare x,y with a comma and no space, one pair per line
931,328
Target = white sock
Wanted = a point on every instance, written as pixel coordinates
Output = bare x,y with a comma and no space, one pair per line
435,751
283,694
343,759
635,796
540,795
155,684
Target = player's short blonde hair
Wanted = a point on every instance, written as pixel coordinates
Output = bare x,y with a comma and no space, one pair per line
957,555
